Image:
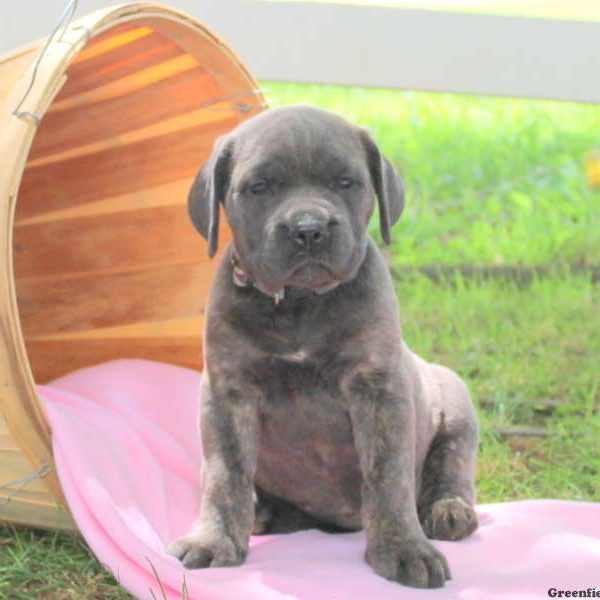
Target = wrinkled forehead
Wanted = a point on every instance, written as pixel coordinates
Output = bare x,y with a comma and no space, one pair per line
298,146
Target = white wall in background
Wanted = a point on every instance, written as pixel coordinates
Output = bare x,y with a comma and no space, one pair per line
378,45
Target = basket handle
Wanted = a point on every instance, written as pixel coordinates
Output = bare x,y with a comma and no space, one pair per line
63,23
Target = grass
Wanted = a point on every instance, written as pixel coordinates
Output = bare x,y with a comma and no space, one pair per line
518,348
489,182
52,566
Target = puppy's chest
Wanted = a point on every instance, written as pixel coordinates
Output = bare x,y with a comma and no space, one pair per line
306,450
297,334
297,380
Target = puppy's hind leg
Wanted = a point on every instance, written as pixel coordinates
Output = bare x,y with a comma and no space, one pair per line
447,492
276,515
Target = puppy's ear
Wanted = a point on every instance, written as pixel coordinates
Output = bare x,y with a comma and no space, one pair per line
208,191
387,184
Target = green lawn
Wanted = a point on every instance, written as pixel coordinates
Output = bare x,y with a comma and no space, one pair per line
489,182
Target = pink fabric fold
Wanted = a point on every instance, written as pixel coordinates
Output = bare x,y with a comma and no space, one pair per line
127,450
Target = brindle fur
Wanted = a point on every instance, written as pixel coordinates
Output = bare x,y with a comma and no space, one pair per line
314,411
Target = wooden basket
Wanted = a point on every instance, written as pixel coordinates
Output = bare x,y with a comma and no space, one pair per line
103,126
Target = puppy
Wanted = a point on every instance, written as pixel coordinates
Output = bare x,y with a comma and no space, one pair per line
314,411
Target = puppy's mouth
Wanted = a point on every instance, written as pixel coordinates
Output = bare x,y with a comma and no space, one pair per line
311,274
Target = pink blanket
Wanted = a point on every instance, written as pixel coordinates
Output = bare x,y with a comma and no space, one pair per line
127,452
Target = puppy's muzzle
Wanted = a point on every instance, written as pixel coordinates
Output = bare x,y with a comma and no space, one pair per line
308,229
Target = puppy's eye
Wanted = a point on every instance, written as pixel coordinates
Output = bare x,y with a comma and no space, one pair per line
344,183
259,188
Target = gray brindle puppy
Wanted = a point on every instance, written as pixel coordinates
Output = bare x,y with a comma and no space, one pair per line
314,412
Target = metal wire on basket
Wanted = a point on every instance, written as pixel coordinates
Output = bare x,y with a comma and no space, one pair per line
63,23
20,484
242,107
61,26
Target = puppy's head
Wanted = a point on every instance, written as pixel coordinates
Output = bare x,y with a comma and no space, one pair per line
298,186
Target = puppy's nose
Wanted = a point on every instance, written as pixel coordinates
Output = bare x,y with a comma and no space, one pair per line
309,231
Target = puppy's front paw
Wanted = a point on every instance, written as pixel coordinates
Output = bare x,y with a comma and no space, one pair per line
450,519
415,563
197,551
